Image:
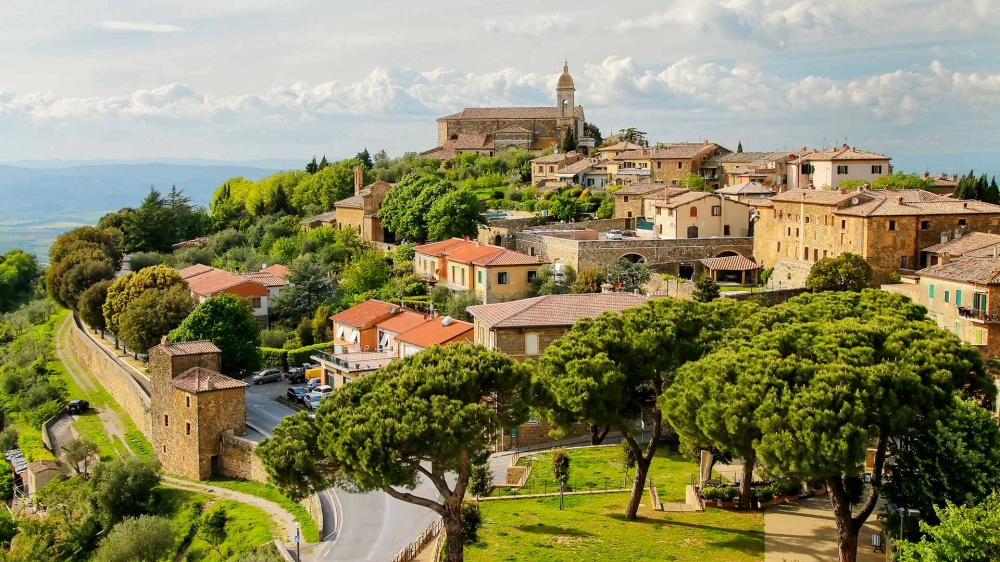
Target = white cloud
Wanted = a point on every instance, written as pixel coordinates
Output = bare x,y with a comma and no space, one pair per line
536,26
141,27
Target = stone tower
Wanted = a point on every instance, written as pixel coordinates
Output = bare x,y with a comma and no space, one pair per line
192,405
566,94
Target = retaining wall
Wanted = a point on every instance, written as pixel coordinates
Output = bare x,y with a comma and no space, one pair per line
113,376
46,435
315,510
237,459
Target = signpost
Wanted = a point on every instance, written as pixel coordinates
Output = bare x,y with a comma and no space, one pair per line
298,555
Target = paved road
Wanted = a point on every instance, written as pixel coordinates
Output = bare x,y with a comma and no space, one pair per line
369,526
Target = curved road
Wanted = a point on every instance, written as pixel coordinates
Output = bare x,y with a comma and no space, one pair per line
370,526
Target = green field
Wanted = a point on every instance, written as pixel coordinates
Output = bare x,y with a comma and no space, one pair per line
599,468
592,527
310,531
247,528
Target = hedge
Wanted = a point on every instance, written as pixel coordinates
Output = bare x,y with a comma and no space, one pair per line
283,358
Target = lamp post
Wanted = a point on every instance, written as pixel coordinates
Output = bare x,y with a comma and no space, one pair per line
903,512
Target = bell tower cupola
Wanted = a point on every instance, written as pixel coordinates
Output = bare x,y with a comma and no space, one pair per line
565,93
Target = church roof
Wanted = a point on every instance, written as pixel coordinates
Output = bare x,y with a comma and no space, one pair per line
565,80
548,112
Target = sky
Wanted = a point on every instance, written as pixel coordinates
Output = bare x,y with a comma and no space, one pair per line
237,80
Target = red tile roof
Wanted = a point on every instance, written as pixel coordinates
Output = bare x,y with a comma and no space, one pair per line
438,248
402,322
730,263
197,347
199,379
278,269
266,279
196,269
984,271
553,310
435,331
843,153
218,280
471,251
668,152
366,314
620,146
508,257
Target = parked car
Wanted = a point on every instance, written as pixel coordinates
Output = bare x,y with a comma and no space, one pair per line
296,393
313,383
614,235
312,401
77,406
296,375
267,375
323,389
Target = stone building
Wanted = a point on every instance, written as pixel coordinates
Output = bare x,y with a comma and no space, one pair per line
768,168
630,200
669,163
486,130
192,407
889,228
694,214
827,168
544,168
359,210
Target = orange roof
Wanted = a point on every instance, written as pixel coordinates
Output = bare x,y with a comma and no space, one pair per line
436,332
278,269
402,322
266,279
508,257
217,280
196,269
199,379
438,248
366,314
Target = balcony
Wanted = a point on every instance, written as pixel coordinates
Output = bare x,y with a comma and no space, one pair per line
636,172
977,315
356,362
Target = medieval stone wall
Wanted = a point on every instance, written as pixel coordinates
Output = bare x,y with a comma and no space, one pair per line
665,255
789,274
113,376
237,459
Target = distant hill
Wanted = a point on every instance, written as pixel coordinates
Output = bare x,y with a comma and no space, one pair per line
40,203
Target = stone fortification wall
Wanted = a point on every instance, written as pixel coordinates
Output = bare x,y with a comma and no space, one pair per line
665,255
113,375
502,227
237,459
789,274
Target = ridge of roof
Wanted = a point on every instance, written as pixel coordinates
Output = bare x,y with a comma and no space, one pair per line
553,310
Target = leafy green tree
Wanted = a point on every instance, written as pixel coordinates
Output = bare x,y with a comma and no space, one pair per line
706,290
19,273
634,136
67,278
142,260
312,167
739,147
560,466
606,210
589,280
227,208
695,182
626,457
153,315
454,215
964,534
228,322
591,130
122,488
612,369
327,185
146,538
472,520
367,272
481,480
628,277
407,205
458,305
124,290
564,207
212,527
902,180
419,418
568,141
292,459
310,285
106,240
547,283
365,159
846,272
956,459
80,453
8,529
90,305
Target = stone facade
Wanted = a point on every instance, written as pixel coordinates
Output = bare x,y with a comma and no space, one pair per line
237,458
789,274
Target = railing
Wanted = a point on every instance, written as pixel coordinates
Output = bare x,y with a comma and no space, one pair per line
410,551
356,361
633,171
975,314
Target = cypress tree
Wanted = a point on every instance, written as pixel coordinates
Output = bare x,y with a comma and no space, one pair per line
569,143
323,163
312,167
994,192
739,147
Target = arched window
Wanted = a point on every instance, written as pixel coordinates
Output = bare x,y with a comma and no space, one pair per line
454,137
498,240
694,211
692,231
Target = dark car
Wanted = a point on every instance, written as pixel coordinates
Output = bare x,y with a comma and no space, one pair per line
77,406
296,375
296,393
267,375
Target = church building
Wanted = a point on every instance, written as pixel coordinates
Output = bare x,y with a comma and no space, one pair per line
486,130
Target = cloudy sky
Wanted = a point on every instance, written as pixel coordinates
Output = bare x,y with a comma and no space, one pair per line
233,80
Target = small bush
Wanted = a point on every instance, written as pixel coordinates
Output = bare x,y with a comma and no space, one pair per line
9,439
472,520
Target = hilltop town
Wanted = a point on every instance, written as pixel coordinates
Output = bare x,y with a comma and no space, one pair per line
529,338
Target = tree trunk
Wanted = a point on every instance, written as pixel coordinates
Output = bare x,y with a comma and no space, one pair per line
847,531
454,548
745,485
597,436
638,487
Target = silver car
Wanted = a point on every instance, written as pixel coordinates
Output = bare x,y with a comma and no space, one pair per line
267,375
312,401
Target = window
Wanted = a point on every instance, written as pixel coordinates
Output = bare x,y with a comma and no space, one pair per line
725,230
961,222
958,298
930,291
590,182
789,231
628,214
188,401
815,254
187,428
807,219
805,254
902,265
625,198
947,296
925,225
979,336
841,170
166,420
892,225
843,224
824,254
340,332
463,276
876,168
779,246
694,211
796,233
255,302
532,275
979,301
531,344
452,273
716,210
552,169
479,277
659,165
501,278
807,168
680,165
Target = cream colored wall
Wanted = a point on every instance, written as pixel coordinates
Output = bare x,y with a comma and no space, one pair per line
460,275
517,283
673,225
825,173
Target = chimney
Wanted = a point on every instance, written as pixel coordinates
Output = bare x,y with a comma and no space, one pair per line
845,147
466,238
899,200
954,177
843,191
359,178
164,341
965,205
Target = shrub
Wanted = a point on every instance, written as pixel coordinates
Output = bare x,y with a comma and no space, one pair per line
560,466
472,520
274,357
481,480
143,260
143,539
720,493
273,338
764,493
9,439
33,448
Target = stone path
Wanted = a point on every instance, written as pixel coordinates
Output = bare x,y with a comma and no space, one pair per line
804,531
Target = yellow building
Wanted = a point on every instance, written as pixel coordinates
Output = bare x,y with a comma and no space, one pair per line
544,168
630,201
889,228
359,210
768,168
670,164
696,214
493,273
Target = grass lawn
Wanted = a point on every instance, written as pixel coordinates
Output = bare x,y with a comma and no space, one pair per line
600,467
247,526
593,528
310,531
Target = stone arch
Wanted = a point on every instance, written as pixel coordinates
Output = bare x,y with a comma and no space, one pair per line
498,240
634,257
727,253
453,137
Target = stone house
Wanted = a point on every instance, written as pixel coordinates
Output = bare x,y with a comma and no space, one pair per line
826,168
962,296
609,152
192,407
943,185
204,282
768,168
329,218
544,168
695,214
493,273
889,228
590,173
750,193
359,210
972,244
630,200
670,164
523,329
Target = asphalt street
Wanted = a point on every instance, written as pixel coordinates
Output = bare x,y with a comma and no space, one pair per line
370,526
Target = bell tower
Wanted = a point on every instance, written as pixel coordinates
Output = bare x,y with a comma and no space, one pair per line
565,95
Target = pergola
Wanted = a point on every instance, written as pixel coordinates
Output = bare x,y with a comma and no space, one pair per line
732,269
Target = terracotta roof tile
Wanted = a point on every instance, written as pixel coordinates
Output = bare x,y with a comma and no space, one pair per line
668,152
945,206
277,269
438,248
685,198
969,270
555,158
402,322
642,188
38,467
435,332
196,347
196,269
366,313
508,257
266,279
577,167
327,217
546,112
199,379
748,188
815,196
750,157
967,244
217,280
553,310
839,154
620,146
730,263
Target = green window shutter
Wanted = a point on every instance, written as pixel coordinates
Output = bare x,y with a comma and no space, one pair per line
958,298
947,294
479,277
930,292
